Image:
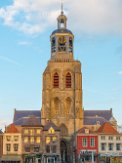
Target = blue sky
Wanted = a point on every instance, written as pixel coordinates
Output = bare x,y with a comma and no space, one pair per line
25,28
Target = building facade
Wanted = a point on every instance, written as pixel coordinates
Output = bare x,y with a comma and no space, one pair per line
1,144
12,146
46,135
109,143
87,145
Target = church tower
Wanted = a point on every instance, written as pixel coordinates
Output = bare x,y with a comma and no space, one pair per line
62,82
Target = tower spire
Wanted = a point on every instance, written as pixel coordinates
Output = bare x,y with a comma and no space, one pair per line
62,7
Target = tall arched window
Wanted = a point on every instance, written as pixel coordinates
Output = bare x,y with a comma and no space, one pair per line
56,80
68,80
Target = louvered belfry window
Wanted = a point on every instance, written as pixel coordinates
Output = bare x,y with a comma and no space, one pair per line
68,80
56,80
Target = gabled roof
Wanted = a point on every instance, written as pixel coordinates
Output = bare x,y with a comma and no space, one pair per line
84,131
106,114
107,128
21,116
31,121
11,129
50,124
94,120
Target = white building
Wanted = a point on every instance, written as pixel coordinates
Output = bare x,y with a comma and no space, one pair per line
12,145
109,143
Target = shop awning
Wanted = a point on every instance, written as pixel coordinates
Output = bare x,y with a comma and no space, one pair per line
110,154
11,158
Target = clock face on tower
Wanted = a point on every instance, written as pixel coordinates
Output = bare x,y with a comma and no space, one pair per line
62,43
62,40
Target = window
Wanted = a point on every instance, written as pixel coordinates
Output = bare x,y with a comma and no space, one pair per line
110,137
8,147
51,130
31,132
118,146
84,142
38,131
16,147
26,139
92,142
56,80
8,138
102,137
54,149
118,138
103,146
16,138
110,146
54,138
38,140
70,44
53,45
36,149
48,140
47,148
26,131
27,149
31,139
68,80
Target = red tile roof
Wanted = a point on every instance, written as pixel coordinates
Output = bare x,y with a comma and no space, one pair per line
11,129
107,128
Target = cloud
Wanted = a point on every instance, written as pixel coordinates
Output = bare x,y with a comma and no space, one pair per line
85,16
120,73
24,43
3,124
6,59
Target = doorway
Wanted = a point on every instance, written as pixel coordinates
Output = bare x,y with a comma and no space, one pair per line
51,160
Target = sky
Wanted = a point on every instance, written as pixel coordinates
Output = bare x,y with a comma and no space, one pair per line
25,29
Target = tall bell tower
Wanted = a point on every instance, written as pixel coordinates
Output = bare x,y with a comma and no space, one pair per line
62,82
